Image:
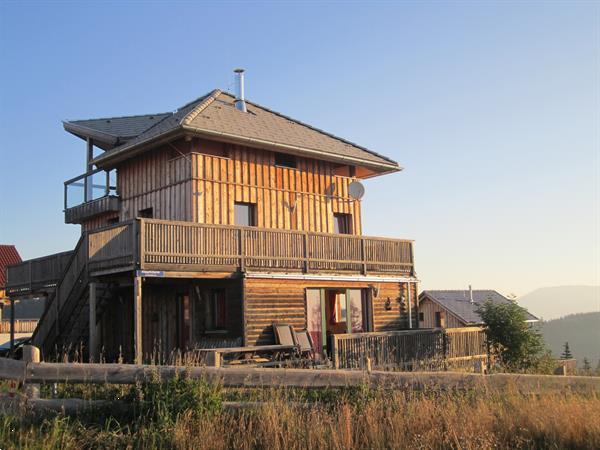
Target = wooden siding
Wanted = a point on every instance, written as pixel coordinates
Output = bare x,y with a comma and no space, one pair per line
99,221
89,210
304,198
160,180
200,181
429,308
276,300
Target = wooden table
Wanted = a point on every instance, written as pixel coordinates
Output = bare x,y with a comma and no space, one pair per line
214,356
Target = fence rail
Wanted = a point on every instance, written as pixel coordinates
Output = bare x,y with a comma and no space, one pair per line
429,349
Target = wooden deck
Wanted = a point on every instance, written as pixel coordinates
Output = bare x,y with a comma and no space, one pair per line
160,245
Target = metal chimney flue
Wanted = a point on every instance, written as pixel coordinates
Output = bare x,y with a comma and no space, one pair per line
240,99
470,293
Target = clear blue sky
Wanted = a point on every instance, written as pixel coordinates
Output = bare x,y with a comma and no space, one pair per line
492,108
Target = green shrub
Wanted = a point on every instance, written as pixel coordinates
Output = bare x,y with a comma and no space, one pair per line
163,402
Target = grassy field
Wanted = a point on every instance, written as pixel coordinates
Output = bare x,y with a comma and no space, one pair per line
191,414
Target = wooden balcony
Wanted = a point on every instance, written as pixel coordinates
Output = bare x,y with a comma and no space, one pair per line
158,245
79,213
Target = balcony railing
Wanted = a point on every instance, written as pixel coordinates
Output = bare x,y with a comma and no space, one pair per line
90,186
36,275
158,245
90,194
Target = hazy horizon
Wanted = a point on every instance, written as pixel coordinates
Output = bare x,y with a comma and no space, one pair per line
491,108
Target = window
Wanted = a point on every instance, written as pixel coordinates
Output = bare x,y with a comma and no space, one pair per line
284,160
421,317
439,319
147,213
244,214
342,223
219,308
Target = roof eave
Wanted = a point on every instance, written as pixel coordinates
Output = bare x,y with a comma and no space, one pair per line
84,132
108,159
228,137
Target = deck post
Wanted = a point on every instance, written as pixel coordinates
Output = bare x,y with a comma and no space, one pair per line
137,318
93,334
12,325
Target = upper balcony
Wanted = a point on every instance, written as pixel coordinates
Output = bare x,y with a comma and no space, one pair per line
160,245
90,194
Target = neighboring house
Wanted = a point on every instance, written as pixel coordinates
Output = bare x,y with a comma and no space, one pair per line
8,255
203,226
455,309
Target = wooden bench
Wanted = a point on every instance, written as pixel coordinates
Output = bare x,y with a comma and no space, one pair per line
214,356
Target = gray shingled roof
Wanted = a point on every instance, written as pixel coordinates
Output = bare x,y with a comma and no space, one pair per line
459,302
215,115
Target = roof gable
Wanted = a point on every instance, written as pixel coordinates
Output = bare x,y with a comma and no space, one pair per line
459,303
8,255
215,116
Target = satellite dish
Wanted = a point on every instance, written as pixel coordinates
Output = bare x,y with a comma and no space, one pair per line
356,190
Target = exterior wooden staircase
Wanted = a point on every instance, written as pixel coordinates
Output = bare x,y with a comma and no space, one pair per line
63,329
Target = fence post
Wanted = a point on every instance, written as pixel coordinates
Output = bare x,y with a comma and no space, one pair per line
31,354
334,352
445,349
12,325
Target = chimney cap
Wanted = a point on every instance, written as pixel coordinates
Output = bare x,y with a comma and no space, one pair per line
238,70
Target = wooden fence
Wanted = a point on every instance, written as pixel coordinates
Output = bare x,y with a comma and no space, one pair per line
21,326
30,373
430,349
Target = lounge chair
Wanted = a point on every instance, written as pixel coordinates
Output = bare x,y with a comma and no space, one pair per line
284,334
305,343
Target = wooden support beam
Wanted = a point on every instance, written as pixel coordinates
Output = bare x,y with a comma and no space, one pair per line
88,183
12,325
408,296
93,338
137,318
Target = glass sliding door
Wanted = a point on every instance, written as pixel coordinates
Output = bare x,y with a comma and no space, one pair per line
315,318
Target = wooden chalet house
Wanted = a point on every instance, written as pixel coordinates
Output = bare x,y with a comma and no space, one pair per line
458,308
201,227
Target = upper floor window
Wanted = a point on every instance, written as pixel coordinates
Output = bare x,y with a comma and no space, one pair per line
245,214
147,213
342,223
285,160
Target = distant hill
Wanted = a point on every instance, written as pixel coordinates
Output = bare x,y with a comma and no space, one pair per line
555,302
581,331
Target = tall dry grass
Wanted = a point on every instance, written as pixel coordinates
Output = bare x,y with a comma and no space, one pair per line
334,419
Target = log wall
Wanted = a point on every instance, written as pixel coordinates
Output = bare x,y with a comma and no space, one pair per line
276,300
